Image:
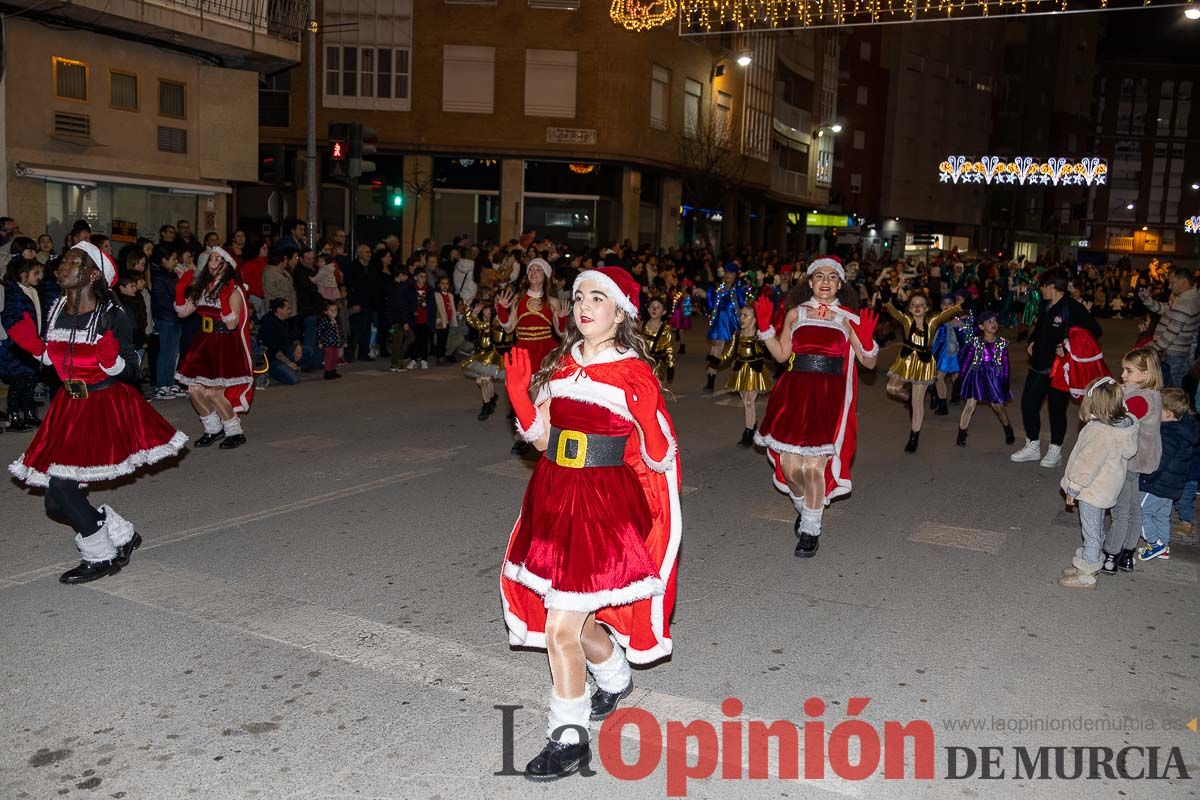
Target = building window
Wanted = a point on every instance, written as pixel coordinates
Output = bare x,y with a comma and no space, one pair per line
550,77
692,93
860,140
275,100
468,79
756,117
660,97
724,118
172,140
864,51
368,72
560,5
856,183
172,99
70,79
1183,107
367,54
123,90
862,95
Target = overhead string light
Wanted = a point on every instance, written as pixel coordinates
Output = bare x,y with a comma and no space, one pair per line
1024,171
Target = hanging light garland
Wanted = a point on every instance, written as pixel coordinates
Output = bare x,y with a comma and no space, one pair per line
1023,170
582,169
717,16
1192,224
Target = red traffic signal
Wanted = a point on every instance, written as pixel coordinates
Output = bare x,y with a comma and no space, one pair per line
337,150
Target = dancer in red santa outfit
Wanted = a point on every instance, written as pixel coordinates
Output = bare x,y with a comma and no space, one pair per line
217,369
590,569
538,319
810,425
98,427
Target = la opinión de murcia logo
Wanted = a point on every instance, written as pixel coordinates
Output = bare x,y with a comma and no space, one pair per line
742,749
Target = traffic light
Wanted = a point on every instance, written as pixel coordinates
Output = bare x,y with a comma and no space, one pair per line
272,166
339,135
395,199
362,146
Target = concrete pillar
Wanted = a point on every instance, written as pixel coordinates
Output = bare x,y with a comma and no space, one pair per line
512,198
669,221
418,174
631,204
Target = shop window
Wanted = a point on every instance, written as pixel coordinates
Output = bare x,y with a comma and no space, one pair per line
172,99
70,79
468,79
692,94
660,97
550,77
123,90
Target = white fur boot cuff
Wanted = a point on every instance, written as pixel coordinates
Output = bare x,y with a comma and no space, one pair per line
614,674
119,529
574,712
96,547
810,520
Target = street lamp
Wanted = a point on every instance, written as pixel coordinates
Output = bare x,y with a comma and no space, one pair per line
1192,13
1129,206
744,60
1195,186
834,128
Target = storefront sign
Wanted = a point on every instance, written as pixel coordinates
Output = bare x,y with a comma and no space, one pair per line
570,136
828,221
124,231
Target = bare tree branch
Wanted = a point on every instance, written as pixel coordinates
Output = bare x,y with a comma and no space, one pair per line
713,167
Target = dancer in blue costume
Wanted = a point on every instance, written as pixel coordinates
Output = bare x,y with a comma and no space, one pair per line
725,301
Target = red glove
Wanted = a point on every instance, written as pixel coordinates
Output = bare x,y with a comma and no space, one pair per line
642,399
502,313
517,374
108,350
24,333
182,286
865,329
764,309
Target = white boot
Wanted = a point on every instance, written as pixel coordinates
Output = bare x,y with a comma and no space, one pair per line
1032,451
1084,577
1053,456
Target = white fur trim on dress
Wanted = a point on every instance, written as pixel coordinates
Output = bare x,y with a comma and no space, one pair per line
32,477
612,675
119,529
96,547
771,443
213,383
658,465
534,432
584,601
1080,359
610,288
117,367
769,333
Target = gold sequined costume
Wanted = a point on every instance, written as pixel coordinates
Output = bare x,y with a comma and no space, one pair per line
486,361
750,362
916,363
661,345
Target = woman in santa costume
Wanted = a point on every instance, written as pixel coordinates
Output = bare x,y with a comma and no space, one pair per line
217,369
538,317
590,569
810,425
98,427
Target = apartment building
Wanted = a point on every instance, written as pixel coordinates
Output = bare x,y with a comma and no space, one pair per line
137,113
497,117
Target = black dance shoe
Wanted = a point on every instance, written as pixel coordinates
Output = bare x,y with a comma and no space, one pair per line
17,423
1125,561
941,409
209,439
557,760
604,703
747,438
89,571
961,441
914,438
237,440
519,448
807,546
125,551
484,412
1009,436
710,384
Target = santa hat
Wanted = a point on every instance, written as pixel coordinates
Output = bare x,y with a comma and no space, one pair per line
827,262
617,283
100,259
541,264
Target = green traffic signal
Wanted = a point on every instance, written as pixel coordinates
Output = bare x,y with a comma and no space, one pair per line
397,200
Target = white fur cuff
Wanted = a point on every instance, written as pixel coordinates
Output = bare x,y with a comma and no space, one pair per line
535,431
96,547
614,674
573,713
769,333
117,367
119,529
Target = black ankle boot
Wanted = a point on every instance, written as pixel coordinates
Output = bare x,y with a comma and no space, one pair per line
807,546
934,400
125,551
961,441
941,410
1009,436
17,423
519,448
557,760
1125,561
914,438
1108,565
604,703
710,384
747,438
89,571
484,412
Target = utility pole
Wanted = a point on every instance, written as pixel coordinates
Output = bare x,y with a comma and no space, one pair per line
313,188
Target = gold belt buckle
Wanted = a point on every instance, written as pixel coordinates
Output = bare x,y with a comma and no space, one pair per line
560,455
791,361
77,389
206,324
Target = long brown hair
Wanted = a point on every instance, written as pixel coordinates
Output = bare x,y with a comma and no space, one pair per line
628,336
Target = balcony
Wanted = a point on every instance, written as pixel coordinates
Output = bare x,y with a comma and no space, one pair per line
787,182
792,123
249,34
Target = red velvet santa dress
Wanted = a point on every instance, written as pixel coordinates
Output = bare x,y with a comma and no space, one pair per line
220,354
98,426
813,409
535,325
600,526
1082,363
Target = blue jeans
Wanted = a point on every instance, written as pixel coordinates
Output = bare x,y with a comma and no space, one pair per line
1183,506
1175,368
309,339
282,373
310,358
1156,518
168,352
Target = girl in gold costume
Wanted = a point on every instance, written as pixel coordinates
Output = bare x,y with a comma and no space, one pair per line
486,364
660,341
749,376
915,365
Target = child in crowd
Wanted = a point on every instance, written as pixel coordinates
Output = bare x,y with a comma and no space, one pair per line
985,375
446,317
1141,377
423,321
1096,472
485,365
946,346
130,297
660,341
1184,506
326,278
749,376
329,339
1160,489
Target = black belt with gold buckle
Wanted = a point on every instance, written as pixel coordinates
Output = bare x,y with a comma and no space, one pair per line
79,390
212,325
577,449
828,365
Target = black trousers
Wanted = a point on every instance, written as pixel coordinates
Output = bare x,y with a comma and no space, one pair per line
441,337
420,350
20,395
1037,389
359,345
65,499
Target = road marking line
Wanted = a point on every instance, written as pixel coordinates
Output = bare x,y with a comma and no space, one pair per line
233,522
402,654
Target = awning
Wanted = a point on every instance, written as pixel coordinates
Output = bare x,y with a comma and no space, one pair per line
93,178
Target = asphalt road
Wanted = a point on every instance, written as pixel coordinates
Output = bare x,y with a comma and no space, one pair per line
315,616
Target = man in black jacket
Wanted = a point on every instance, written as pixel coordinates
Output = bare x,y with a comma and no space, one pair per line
1059,313
401,310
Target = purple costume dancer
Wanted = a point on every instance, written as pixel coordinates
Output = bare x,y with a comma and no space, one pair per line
985,374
